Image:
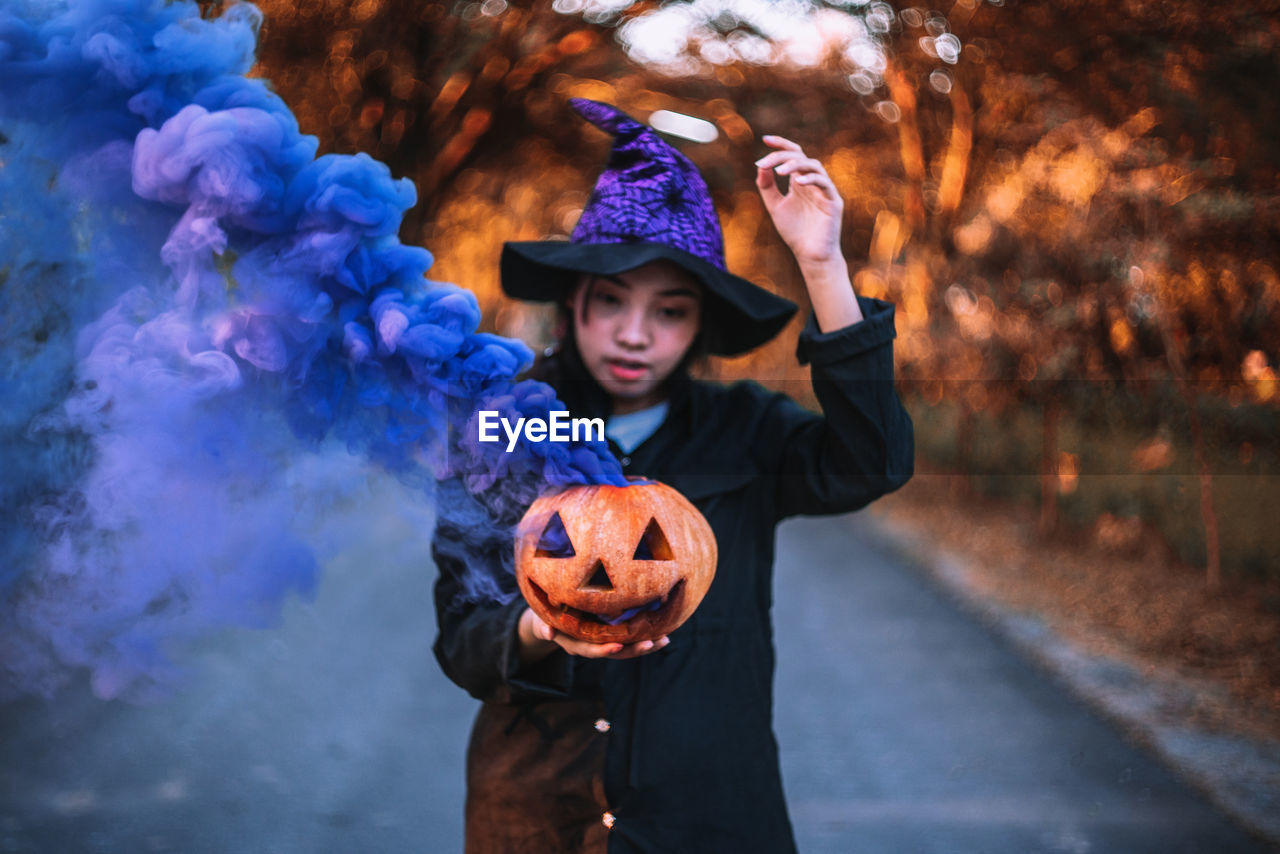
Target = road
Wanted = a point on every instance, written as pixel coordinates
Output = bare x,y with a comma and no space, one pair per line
905,725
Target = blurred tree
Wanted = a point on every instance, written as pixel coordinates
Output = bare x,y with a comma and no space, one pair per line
1130,201
426,87
1071,204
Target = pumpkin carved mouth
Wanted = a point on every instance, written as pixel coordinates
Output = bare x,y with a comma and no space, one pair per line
672,599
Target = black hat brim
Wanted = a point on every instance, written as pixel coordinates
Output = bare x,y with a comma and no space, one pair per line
742,315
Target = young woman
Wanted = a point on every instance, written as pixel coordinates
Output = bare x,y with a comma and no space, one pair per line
667,745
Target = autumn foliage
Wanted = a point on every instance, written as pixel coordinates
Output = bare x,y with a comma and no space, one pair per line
1074,207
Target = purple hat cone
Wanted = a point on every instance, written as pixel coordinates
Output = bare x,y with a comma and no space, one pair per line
649,204
648,192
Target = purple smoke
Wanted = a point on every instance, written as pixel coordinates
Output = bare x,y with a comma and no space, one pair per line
194,307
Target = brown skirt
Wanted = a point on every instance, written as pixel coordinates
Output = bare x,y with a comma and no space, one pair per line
535,780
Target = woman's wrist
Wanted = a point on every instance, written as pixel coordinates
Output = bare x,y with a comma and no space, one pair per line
831,292
821,271
532,647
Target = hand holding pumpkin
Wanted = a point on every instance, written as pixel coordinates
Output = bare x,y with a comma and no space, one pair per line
537,640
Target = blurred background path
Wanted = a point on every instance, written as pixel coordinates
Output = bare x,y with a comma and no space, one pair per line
905,725
908,724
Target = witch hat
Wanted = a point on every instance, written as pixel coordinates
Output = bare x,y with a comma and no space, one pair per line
650,203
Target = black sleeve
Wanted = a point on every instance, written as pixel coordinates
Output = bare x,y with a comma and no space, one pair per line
478,606
862,445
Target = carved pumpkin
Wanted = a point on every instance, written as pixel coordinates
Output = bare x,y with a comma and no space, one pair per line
610,564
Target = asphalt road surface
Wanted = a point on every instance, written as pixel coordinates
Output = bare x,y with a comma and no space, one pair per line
905,727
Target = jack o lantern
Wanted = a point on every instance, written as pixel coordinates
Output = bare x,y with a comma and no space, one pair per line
614,564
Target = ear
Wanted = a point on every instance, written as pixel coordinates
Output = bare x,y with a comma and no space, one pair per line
561,327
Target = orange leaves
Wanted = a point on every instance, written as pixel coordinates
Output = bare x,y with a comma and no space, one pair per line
476,121
973,237
1264,385
975,318
1153,454
735,127
1181,187
1028,367
1141,122
903,93
1068,472
955,164
1121,333
576,42
449,94
365,10
870,284
887,239
495,67
1076,176
371,113
1004,199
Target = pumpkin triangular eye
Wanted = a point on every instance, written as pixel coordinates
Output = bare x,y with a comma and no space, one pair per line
599,579
653,544
554,541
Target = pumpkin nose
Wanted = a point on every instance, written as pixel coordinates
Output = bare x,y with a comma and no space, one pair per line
599,579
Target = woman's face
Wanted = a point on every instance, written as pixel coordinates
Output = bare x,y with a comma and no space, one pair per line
634,328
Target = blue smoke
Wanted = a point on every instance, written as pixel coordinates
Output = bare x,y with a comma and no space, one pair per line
192,304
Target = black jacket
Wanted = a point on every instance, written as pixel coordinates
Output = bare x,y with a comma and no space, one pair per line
678,745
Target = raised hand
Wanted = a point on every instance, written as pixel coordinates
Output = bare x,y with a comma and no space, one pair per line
808,215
